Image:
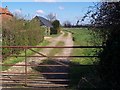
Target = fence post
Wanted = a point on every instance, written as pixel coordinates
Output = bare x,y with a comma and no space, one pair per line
25,67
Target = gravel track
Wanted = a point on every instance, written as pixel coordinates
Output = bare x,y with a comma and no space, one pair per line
35,60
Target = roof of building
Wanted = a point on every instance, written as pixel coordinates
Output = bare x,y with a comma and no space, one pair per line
44,21
5,11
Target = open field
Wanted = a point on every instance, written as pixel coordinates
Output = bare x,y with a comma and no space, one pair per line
83,37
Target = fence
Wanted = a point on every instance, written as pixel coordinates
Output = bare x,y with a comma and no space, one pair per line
25,81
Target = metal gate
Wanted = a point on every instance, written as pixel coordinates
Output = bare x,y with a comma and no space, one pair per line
51,74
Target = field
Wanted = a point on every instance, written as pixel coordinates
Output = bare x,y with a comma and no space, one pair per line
84,74
83,37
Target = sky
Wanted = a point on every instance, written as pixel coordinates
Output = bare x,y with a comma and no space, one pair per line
51,0
64,11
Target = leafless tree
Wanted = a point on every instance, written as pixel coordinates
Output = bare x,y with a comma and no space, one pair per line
51,17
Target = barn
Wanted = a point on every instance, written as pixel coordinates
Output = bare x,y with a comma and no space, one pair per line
45,23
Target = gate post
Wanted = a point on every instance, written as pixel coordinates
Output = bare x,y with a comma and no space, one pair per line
25,67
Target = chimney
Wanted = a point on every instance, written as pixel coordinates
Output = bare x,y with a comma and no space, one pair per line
6,7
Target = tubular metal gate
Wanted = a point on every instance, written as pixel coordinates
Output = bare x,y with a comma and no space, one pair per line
36,79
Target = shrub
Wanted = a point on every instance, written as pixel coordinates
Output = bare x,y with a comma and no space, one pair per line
56,27
20,32
106,18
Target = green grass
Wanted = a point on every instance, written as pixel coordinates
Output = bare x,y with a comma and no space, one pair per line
66,34
14,60
83,37
86,71
56,50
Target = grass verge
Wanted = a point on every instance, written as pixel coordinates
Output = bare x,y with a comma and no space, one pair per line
83,71
83,67
56,50
66,34
83,37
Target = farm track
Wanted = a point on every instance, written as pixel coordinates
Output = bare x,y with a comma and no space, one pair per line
39,79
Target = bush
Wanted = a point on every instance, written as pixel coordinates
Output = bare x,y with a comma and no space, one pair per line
20,32
107,21
56,27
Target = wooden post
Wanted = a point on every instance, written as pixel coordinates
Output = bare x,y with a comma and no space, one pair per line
25,67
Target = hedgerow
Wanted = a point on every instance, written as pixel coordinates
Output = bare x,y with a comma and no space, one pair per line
20,32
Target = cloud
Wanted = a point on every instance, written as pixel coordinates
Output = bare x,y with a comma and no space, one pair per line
45,0
61,7
18,11
40,12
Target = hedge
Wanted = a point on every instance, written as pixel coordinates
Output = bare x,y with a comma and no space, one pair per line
20,32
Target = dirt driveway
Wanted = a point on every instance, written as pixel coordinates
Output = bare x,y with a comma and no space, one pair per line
67,39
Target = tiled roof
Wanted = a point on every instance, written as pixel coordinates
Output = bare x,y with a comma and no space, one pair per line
5,11
44,21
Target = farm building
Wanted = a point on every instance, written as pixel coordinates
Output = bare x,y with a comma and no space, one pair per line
5,14
46,23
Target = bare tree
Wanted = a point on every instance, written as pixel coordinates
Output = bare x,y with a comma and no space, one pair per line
51,17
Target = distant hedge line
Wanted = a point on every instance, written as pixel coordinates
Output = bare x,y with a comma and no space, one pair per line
19,32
